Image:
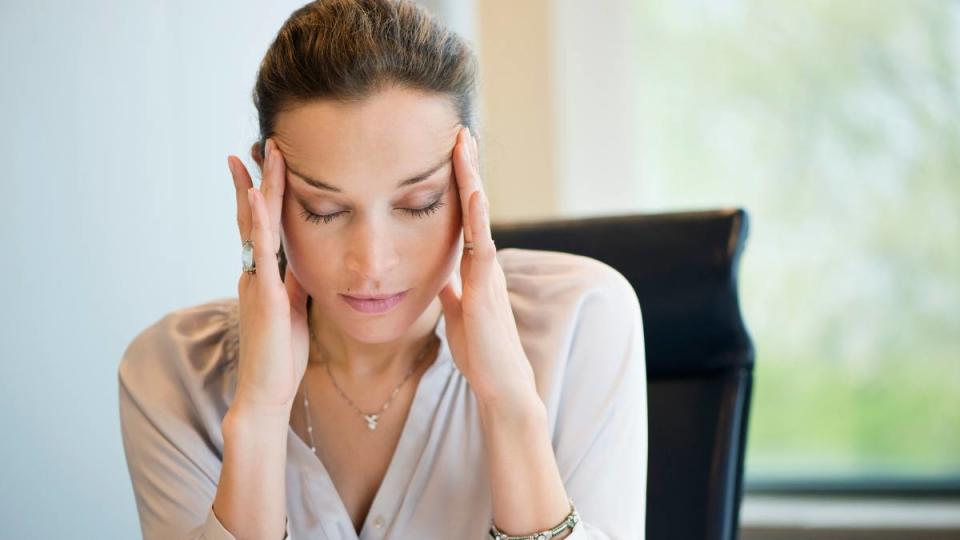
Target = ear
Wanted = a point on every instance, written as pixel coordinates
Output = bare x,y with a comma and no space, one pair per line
256,154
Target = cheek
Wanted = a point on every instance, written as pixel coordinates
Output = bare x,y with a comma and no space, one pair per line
304,248
433,238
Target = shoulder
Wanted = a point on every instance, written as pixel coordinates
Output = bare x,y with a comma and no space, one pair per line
185,353
557,266
579,319
551,282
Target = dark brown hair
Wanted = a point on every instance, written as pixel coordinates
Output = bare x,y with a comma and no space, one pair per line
348,50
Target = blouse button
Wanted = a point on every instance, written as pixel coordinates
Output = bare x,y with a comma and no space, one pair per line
378,522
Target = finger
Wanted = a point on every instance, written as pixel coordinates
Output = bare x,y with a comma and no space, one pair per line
484,251
467,179
264,257
475,159
241,183
476,153
450,301
272,187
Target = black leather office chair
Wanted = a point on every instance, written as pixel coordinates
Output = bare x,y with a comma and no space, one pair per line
683,266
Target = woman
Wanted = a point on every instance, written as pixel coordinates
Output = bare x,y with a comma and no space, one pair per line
385,371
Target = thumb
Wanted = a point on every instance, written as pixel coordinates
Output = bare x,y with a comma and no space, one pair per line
450,301
295,292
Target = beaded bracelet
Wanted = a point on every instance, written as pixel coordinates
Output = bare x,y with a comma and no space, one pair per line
568,522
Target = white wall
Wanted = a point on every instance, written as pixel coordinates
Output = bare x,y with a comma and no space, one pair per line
116,207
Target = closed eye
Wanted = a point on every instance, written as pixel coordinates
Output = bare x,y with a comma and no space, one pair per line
415,212
423,212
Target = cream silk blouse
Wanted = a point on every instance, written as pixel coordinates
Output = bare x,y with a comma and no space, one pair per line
580,324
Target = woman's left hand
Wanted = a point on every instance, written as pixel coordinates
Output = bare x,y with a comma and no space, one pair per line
481,330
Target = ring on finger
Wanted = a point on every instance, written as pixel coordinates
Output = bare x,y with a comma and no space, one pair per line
247,259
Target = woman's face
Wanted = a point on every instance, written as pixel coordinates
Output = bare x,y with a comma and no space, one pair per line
387,215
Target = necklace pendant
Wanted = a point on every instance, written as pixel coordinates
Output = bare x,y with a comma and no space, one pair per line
371,420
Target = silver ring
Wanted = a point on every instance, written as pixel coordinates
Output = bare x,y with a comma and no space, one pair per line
468,245
246,257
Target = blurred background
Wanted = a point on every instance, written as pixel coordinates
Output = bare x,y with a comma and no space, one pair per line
835,124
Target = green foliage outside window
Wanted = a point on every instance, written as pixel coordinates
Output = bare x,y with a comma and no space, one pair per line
837,126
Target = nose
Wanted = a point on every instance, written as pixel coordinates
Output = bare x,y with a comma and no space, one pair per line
372,252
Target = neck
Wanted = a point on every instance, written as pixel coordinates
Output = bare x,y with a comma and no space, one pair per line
363,361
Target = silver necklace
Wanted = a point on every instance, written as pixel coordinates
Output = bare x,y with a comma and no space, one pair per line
372,418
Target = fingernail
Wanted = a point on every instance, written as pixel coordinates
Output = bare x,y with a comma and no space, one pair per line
250,196
267,145
230,165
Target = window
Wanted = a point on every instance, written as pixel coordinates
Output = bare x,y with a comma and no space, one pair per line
837,126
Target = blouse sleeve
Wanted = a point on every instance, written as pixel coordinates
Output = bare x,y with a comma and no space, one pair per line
601,435
167,423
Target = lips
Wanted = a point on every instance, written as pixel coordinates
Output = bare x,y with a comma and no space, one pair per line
372,296
374,304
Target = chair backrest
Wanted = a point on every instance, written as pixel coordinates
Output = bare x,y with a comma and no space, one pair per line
683,267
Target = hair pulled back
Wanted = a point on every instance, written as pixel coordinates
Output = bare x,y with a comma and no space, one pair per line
348,50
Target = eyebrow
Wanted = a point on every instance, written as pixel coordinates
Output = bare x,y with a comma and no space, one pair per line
319,184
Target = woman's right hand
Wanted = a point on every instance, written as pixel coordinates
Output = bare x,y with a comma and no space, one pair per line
274,336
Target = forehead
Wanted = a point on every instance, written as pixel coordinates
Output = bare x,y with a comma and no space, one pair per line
391,134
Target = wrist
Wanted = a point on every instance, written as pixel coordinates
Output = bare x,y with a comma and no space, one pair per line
243,415
519,410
